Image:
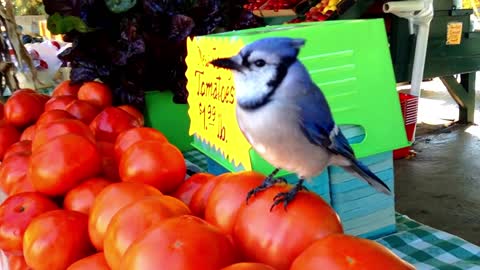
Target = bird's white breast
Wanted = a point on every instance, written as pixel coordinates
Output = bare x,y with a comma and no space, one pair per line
274,132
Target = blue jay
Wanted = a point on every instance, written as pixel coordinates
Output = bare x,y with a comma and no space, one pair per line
285,116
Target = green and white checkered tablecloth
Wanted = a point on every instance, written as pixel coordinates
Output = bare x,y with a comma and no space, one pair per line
423,246
428,248
196,159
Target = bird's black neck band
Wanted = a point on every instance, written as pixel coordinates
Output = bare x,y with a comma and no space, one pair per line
282,70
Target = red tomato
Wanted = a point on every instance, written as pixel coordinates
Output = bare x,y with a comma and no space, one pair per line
23,108
29,133
66,88
52,116
228,196
8,136
16,261
83,111
111,199
155,163
16,212
199,199
2,115
110,122
58,103
134,112
184,242
60,164
47,132
96,93
44,98
81,197
12,170
190,186
277,237
134,219
23,185
24,91
109,164
56,239
19,148
93,262
340,251
248,266
128,137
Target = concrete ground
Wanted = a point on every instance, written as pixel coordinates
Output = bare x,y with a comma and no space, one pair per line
440,186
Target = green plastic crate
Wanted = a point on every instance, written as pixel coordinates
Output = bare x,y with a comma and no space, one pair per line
350,62
169,118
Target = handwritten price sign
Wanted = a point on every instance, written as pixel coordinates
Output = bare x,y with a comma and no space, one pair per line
211,99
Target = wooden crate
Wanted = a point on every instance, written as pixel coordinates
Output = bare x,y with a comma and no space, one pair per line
363,210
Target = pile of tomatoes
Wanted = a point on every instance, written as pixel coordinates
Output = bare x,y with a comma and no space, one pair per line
89,187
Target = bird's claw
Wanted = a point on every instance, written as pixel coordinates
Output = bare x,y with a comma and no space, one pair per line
287,197
253,192
268,182
284,197
280,180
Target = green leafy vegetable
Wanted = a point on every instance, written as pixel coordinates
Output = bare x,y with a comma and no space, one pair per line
140,45
58,24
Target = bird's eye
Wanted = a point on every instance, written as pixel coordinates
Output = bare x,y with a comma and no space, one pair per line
259,63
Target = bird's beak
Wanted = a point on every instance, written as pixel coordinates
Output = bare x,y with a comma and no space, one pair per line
227,63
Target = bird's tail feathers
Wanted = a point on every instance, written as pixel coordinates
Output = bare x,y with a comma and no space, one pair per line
368,176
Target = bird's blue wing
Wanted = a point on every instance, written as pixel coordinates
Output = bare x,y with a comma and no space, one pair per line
317,124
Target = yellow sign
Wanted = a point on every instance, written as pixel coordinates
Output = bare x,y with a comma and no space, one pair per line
471,4
454,33
212,101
